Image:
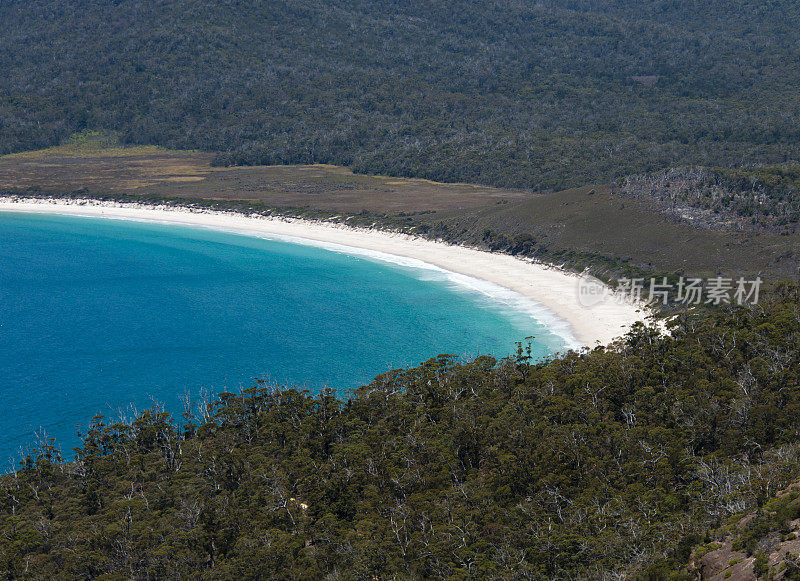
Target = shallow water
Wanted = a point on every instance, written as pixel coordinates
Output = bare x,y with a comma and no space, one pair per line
98,315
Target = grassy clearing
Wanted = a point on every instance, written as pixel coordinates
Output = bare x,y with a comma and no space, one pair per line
594,222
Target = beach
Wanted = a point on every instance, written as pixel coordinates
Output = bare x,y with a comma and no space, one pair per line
578,307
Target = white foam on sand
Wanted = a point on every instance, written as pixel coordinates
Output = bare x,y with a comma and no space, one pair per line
553,297
511,300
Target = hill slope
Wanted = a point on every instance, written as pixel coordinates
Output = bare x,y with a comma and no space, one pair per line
587,466
509,93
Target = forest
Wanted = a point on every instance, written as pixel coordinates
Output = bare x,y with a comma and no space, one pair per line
607,463
748,199
635,460
540,95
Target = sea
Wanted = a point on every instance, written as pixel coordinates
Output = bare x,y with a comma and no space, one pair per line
111,317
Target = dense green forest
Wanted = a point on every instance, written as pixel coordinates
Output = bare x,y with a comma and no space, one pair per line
537,95
615,460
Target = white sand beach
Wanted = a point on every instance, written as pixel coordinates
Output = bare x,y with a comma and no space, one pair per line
577,307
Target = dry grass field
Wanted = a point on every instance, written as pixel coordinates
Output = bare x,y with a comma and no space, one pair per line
605,225
150,171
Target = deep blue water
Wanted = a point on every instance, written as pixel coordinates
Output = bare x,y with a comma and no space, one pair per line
98,315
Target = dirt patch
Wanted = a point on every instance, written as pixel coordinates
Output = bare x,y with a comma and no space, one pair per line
185,179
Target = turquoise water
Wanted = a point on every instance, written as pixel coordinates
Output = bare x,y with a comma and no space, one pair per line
100,315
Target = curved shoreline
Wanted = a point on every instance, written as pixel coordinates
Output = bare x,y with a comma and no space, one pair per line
555,291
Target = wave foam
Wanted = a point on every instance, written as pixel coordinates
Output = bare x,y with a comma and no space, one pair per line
512,301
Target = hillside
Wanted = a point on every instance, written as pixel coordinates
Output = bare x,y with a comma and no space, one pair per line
642,139
539,95
763,543
749,199
609,463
